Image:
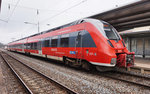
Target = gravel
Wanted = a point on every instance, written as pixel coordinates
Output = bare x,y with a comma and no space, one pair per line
37,83
12,84
80,81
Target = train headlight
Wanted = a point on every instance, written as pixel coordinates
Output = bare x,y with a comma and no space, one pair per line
113,61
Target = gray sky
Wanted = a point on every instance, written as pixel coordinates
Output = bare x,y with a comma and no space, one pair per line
53,12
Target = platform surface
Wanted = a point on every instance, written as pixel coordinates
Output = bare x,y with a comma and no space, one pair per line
142,63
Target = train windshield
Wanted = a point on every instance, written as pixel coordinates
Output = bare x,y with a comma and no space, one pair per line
110,32
105,29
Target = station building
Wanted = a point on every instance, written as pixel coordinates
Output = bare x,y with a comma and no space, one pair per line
138,42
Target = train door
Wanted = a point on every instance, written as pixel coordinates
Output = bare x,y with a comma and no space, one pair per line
78,46
23,47
40,47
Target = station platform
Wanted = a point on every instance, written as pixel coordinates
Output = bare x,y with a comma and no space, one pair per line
142,63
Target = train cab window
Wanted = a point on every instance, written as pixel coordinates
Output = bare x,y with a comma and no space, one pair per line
64,41
54,41
111,32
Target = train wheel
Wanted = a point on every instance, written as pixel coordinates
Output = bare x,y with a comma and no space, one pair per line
86,65
104,69
66,61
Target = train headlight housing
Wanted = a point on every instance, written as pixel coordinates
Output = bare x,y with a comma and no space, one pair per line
110,43
113,61
123,44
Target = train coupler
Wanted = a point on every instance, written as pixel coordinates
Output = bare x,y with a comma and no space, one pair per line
125,60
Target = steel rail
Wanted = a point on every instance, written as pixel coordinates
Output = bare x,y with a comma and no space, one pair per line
70,91
28,90
127,81
135,75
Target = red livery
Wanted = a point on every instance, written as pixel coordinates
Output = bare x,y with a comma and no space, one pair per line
81,43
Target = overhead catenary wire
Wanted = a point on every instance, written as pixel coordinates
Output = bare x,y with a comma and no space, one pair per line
60,12
21,6
30,8
64,11
3,20
37,10
13,10
16,6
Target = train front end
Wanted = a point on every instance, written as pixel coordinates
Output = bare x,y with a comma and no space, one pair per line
124,57
111,48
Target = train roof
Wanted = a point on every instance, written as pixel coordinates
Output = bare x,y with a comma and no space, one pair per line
53,29
56,28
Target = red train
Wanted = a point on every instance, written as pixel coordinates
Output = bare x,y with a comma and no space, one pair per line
81,43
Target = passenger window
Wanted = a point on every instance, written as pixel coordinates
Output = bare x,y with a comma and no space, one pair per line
28,46
72,39
87,40
64,41
46,43
32,46
81,39
35,45
75,39
54,41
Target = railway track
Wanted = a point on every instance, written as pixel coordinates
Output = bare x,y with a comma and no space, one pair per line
34,81
129,78
132,79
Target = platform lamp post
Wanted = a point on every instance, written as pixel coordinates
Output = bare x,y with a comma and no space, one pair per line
34,24
38,20
37,12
